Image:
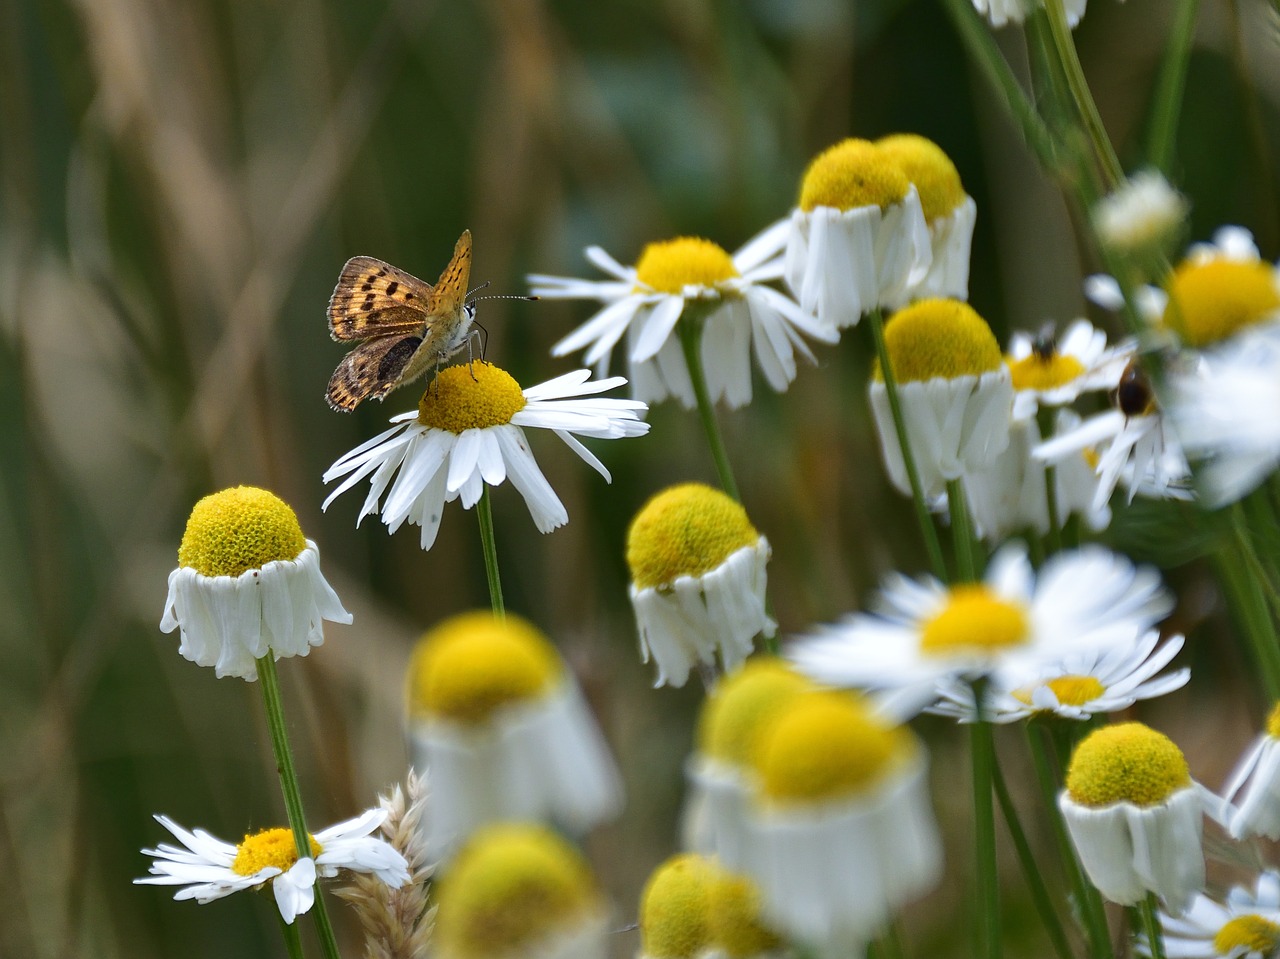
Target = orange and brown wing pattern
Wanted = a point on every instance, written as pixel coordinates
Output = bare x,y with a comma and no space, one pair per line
371,369
451,291
374,298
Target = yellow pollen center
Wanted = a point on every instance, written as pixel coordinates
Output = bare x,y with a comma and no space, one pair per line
734,919
1036,372
1211,299
1273,722
270,847
852,174
670,266
470,396
473,664
1247,934
1128,762
685,530
1070,690
236,530
929,168
939,338
674,908
743,704
975,620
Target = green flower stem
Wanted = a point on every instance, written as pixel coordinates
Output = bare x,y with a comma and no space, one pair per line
292,937
484,513
1044,418
289,788
927,530
961,532
689,329
1151,925
1167,105
1030,869
982,747
1249,604
1112,172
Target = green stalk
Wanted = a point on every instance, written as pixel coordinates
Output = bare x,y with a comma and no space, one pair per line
484,513
292,937
982,751
1151,924
1170,86
292,793
927,530
1249,604
961,532
1044,419
689,329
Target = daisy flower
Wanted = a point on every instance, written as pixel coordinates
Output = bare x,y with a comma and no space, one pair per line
1252,794
1001,12
1084,684
1051,370
1141,216
697,581
518,889
1224,413
923,631
468,432
248,584
1246,926
693,279
1135,816
498,723
207,868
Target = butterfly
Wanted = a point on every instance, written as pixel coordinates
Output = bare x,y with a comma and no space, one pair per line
407,324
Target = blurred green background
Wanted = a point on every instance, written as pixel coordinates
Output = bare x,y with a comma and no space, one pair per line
180,183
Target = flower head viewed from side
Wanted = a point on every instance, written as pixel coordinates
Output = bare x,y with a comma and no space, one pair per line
1252,794
468,432
1052,370
248,584
1142,216
693,280
697,581
1245,926
209,869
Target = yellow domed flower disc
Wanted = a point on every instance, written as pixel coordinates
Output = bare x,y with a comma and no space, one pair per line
239,529
674,908
1037,371
927,166
1210,300
1128,762
270,847
744,703
975,620
852,174
939,338
734,923
1273,722
474,663
669,266
685,530
468,396
1070,690
1250,935
510,888
826,745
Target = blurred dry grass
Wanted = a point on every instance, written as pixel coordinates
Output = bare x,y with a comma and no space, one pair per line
179,184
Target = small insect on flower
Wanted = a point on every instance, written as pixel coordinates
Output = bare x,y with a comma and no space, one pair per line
407,324
1134,396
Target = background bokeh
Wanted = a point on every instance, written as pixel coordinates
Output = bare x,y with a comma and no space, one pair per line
179,186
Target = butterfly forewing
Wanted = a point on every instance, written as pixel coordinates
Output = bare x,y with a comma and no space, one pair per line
371,369
374,298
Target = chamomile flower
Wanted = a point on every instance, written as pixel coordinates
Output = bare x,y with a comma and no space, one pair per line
858,239
1001,12
1082,685
248,584
499,724
697,581
1051,370
1252,794
468,432
1246,926
207,868
693,279
1141,216
1135,816
922,631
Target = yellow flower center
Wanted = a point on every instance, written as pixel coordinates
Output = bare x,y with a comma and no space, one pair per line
470,396
852,174
1070,690
237,530
1128,762
827,745
510,889
671,265
743,704
674,908
927,166
733,917
270,847
473,664
975,620
1273,722
1247,934
1037,372
939,338
1211,299
685,530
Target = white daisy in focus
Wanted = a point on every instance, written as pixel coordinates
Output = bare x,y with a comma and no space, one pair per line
921,631
1141,216
1081,686
1246,926
1252,794
208,868
1052,370
1224,412
695,279
468,432
1002,12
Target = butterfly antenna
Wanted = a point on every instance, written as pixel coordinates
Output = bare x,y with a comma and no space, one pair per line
471,297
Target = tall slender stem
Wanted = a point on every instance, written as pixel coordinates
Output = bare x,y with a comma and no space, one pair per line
484,513
290,790
1151,925
1044,418
1167,105
961,532
292,937
689,328
982,748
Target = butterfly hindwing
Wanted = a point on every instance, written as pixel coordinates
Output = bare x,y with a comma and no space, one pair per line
374,298
371,369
